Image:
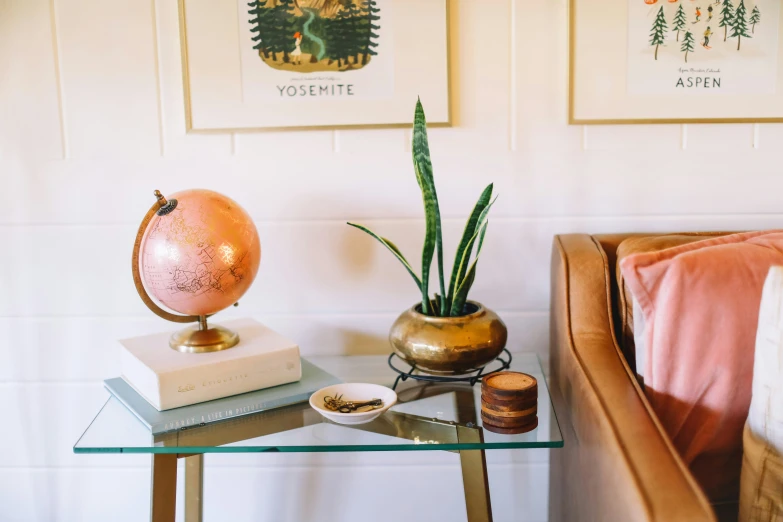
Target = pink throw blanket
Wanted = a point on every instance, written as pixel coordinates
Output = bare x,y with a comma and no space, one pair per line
701,305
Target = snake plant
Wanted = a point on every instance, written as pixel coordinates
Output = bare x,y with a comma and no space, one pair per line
451,301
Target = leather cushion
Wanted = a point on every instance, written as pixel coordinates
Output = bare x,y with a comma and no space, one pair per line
761,489
761,486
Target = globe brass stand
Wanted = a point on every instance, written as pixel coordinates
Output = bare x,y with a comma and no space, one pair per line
199,338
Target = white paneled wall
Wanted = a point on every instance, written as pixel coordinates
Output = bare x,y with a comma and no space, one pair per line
92,120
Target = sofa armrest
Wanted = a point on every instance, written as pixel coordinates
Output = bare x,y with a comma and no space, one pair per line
617,463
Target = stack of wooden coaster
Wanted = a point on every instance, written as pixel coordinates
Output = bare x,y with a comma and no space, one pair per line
509,402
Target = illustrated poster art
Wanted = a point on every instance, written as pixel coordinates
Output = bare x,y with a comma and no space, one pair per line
701,47
299,50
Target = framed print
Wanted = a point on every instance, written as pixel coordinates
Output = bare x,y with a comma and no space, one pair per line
676,61
252,64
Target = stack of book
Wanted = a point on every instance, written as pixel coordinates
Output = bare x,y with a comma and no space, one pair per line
169,390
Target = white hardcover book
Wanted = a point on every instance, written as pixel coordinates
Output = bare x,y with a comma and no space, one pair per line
169,379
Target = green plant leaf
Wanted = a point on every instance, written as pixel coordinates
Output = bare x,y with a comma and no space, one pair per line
485,213
481,224
437,302
394,250
470,229
461,263
455,308
461,295
423,166
481,241
430,242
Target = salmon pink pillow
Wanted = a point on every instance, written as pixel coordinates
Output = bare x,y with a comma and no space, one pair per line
701,307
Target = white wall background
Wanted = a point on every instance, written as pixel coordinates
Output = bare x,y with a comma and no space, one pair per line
92,120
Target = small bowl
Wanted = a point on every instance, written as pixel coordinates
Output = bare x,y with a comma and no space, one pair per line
354,391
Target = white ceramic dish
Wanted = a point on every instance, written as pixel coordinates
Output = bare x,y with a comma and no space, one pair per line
353,391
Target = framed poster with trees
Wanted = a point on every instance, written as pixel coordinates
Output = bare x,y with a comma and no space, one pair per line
251,64
676,61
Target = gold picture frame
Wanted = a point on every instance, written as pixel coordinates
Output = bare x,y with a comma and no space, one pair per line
584,13
439,101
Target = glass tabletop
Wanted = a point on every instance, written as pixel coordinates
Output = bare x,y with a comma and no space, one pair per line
427,416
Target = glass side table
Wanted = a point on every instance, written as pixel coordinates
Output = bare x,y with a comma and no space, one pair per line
427,417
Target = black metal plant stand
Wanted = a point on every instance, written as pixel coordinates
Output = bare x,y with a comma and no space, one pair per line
503,360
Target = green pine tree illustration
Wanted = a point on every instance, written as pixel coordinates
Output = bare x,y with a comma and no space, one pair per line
279,28
340,37
755,17
739,26
331,40
726,18
680,21
261,15
658,31
338,43
687,44
367,27
354,36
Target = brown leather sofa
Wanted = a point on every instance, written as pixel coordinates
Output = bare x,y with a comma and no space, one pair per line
617,463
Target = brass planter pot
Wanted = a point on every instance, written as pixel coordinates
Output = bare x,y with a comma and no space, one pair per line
449,345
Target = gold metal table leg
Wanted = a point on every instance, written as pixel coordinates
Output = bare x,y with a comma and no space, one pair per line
474,475
413,427
163,504
194,488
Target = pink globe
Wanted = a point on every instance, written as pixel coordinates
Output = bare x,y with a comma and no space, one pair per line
201,257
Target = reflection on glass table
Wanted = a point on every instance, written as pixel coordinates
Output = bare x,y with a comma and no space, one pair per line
427,417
